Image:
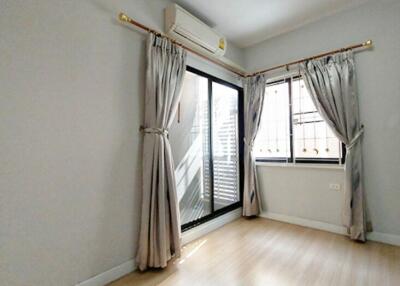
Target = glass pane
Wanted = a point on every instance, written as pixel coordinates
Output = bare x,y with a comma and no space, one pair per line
189,138
313,138
273,137
225,145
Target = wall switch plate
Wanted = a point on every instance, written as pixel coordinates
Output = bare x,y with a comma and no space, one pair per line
334,187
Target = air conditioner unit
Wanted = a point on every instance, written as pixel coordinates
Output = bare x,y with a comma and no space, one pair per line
181,25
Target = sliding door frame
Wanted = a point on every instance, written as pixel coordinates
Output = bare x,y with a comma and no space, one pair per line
216,213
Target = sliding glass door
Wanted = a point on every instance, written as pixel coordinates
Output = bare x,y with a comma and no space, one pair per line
225,145
189,137
206,148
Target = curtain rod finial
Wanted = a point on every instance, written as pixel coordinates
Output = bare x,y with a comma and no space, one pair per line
368,43
123,17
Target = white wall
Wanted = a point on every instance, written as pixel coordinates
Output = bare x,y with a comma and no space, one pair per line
302,191
379,88
71,103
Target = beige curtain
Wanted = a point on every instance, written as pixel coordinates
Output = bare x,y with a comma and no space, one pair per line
331,82
159,237
254,91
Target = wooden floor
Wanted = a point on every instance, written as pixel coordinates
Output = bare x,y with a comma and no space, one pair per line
265,252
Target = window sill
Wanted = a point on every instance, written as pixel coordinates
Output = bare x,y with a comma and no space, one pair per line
300,165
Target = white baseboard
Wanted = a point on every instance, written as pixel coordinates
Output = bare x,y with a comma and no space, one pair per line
374,236
305,222
110,275
188,236
203,229
388,238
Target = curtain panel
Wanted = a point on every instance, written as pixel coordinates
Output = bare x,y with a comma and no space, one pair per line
331,82
160,234
254,91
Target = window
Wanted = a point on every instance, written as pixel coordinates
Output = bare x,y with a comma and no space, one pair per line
204,138
273,139
291,129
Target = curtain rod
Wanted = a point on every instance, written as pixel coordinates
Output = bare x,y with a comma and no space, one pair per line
126,19
365,45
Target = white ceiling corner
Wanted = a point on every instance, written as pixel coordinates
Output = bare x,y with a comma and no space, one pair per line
248,22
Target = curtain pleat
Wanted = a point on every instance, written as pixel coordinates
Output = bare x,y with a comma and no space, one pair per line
159,238
254,91
331,82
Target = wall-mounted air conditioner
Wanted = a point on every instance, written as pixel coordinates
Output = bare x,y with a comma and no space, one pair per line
189,30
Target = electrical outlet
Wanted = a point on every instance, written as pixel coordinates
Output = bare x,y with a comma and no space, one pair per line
334,187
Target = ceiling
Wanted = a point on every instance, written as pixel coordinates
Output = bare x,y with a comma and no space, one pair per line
248,22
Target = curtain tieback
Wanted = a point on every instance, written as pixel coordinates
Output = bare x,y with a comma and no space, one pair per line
356,138
248,143
152,130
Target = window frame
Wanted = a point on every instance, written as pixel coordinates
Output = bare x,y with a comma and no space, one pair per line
292,159
218,212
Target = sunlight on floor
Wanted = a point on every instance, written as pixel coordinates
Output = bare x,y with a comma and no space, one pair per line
193,251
